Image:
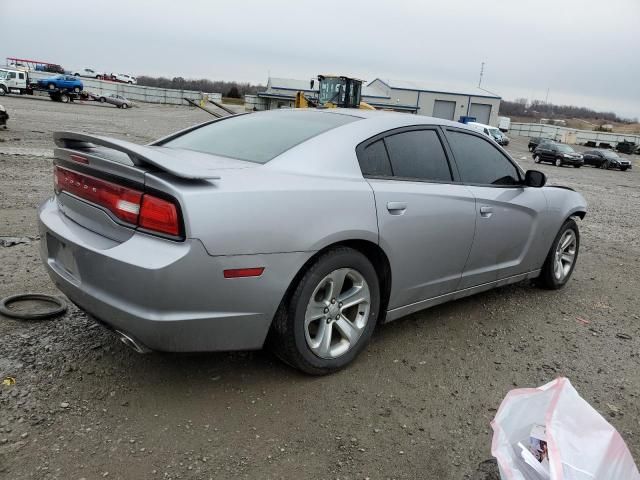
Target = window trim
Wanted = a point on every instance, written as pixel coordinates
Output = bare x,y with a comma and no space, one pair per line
362,146
518,168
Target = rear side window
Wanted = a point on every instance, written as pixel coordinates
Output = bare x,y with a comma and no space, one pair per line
374,160
480,162
418,154
259,137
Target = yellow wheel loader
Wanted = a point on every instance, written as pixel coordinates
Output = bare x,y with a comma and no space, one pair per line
334,92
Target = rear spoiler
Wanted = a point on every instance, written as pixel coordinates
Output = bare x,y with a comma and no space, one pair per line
139,155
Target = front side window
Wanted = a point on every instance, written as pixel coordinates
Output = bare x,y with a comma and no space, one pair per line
418,154
565,149
259,137
480,162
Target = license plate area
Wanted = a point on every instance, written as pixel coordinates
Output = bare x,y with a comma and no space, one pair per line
62,259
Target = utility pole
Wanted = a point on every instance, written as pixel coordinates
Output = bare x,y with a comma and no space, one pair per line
481,73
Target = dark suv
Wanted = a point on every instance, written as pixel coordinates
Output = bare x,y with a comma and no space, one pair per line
558,154
535,141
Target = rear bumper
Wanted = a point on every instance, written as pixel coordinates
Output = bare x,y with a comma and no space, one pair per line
170,296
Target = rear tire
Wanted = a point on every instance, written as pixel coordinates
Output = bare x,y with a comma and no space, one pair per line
102,99
311,330
561,260
125,106
557,162
536,158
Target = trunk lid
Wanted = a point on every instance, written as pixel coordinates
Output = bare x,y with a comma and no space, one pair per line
101,183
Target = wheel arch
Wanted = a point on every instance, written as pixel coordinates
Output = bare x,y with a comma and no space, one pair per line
374,253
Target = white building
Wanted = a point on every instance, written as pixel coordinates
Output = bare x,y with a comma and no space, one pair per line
443,101
412,97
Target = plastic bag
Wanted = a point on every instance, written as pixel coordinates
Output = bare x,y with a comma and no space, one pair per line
580,443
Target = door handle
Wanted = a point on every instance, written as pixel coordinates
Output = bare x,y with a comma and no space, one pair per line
486,212
397,208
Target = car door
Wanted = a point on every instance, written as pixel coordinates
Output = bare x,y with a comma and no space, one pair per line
546,152
426,217
591,158
508,233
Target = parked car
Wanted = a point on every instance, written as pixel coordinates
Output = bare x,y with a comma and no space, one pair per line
62,82
117,100
307,226
491,132
535,141
50,67
123,77
605,159
89,73
4,116
558,154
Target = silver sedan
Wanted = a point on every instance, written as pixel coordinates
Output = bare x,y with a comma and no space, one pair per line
117,100
300,229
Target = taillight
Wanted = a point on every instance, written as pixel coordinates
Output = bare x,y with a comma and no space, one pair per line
123,202
130,205
159,215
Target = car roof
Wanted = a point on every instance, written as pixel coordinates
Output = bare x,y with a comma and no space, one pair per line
399,118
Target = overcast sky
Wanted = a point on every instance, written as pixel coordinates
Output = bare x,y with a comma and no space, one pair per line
586,52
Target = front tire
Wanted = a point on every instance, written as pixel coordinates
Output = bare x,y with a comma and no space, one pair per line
557,162
102,99
536,158
3,91
125,106
329,317
562,257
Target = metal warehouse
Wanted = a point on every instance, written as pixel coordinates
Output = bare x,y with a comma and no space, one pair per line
404,96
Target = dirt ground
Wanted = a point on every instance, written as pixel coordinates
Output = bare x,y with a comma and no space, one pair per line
416,404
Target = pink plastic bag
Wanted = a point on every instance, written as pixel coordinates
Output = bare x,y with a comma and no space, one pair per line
580,443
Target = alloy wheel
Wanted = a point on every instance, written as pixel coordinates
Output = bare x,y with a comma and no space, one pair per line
565,255
337,313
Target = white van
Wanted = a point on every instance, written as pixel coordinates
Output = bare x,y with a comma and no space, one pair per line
491,132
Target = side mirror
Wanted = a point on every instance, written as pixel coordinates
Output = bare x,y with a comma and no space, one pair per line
535,178
312,83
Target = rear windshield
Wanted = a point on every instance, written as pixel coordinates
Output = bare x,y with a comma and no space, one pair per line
259,137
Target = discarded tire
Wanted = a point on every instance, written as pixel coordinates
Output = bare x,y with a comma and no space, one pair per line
59,309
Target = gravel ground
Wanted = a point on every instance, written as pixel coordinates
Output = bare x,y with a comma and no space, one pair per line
416,404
